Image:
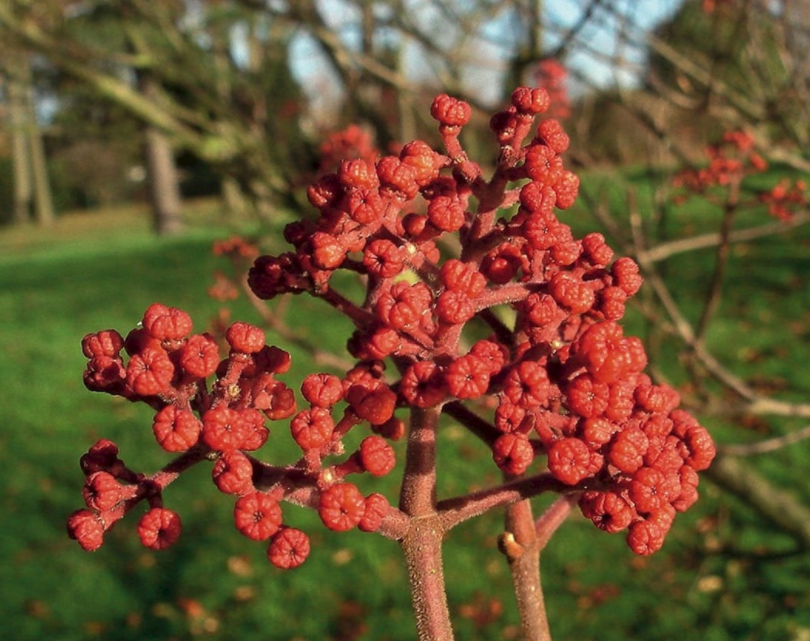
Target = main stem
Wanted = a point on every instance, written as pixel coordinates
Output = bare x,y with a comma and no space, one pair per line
422,545
522,549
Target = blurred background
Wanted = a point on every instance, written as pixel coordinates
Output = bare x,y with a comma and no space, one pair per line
135,134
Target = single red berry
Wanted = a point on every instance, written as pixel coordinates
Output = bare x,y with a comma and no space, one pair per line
454,307
233,473
446,214
105,343
467,377
538,199
257,515
587,397
341,507
608,511
104,373
223,429
450,112
698,448
101,491
150,372
598,253
423,385
423,159
326,250
358,173
569,459
86,528
254,430
512,453
571,293
312,428
376,456
376,509
551,132
288,549
245,338
463,277
530,101
166,323
627,450
375,405
567,188
383,259
100,457
199,357
625,271
689,483
397,178
645,537
651,489
491,353
322,390
528,385
159,528
598,431
543,165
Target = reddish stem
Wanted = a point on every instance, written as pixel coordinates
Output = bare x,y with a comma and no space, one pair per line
422,545
521,547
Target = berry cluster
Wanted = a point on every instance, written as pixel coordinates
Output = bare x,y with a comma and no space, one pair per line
551,75
732,159
167,369
514,335
565,384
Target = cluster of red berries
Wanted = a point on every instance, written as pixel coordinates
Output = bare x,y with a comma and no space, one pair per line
168,369
785,198
562,379
552,75
730,161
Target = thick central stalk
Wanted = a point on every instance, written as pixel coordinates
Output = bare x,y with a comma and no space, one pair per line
422,545
418,494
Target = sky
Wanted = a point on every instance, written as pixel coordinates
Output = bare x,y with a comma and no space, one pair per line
490,50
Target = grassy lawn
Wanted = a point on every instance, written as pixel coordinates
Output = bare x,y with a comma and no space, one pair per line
93,271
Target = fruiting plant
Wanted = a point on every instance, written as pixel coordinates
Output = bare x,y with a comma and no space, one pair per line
478,306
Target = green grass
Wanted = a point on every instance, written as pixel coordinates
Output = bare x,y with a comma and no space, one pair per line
95,271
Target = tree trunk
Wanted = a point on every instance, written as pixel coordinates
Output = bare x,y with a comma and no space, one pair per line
43,200
20,158
161,170
31,183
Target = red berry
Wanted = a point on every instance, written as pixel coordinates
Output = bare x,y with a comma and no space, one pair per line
233,473
105,343
312,428
86,528
102,491
450,112
376,509
150,372
166,323
245,338
288,549
322,390
376,456
257,515
199,357
159,528
341,507
223,429
569,459
467,377
512,453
